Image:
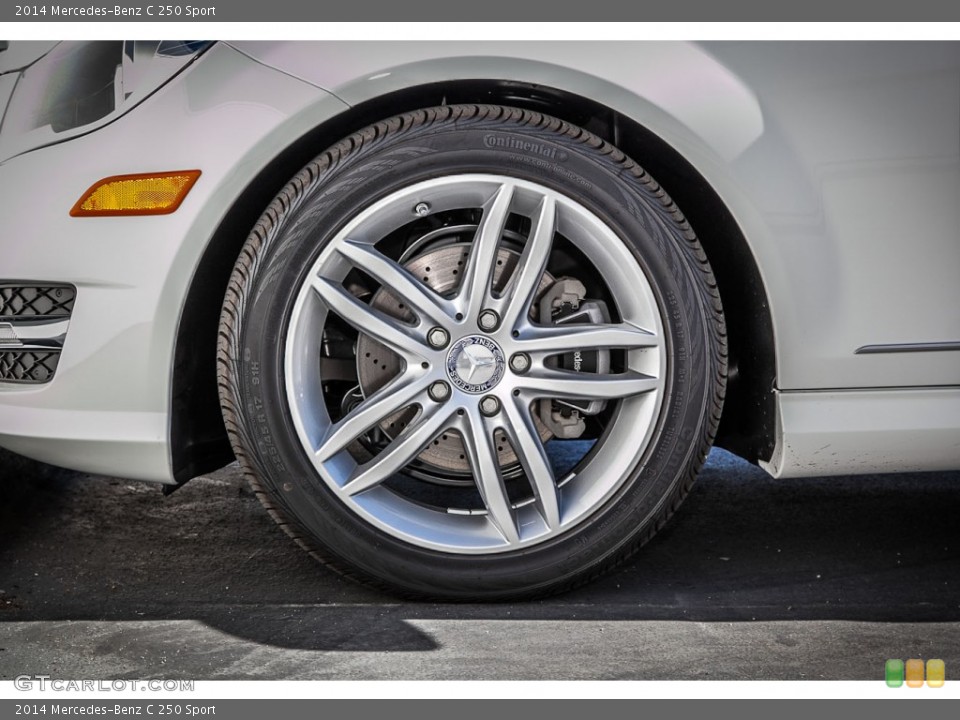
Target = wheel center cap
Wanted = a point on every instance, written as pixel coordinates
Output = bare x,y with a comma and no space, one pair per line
475,364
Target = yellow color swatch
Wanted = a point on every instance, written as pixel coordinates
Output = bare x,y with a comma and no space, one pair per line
936,673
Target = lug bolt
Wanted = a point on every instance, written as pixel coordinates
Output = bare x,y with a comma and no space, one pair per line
438,337
489,406
520,363
439,391
422,209
488,320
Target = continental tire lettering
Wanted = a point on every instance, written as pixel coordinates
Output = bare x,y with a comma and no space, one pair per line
509,142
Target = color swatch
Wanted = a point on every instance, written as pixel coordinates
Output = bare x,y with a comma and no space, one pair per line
896,672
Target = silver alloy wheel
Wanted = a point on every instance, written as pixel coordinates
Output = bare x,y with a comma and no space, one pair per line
556,503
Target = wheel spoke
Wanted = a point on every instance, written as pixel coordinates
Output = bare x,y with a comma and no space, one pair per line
391,398
399,453
398,281
484,461
519,294
568,385
389,331
564,338
478,274
523,436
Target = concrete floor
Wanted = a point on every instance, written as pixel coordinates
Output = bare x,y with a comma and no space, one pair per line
753,579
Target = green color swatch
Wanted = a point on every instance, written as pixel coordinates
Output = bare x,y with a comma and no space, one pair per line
893,671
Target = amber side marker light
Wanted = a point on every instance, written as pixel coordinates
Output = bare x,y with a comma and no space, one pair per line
143,194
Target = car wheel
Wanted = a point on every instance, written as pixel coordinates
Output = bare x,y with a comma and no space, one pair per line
472,353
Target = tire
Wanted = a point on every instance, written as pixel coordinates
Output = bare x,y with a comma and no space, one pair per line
411,440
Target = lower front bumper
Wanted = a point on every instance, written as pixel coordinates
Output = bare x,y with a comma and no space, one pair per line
103,443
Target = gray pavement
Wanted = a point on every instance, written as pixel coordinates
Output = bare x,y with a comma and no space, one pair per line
753,579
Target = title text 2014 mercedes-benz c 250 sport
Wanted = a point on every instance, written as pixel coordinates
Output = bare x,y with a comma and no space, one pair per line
471,315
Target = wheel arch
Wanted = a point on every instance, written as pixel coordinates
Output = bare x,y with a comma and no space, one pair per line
198,438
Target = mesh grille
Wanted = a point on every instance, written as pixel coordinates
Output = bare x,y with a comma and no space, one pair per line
28,366
36,301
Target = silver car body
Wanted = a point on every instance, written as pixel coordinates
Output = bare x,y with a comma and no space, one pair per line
840,163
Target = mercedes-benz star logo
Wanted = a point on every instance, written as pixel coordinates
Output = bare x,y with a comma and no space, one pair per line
475,364
472,359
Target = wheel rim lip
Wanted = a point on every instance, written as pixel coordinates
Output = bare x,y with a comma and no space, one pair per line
457,531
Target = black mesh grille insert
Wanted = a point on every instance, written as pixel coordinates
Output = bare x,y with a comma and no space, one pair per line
28,366
24,301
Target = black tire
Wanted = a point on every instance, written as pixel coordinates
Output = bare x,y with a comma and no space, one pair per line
367,166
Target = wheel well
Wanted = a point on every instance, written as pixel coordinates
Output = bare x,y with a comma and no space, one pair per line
198,437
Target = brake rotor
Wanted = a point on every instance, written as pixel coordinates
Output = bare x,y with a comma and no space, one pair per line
441,270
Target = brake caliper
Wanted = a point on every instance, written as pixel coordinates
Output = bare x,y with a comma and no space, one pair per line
565,303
